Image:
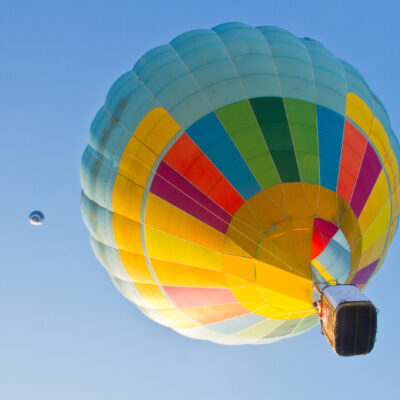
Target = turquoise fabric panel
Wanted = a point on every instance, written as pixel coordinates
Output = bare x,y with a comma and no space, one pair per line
330,77
98,221
356,84
210,65
129,101
170,82
97,177
293,64
252,59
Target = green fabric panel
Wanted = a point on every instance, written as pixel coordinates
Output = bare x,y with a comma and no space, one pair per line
302,118
271,116
307,323
239,121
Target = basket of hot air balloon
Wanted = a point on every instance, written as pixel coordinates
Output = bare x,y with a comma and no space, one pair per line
231,170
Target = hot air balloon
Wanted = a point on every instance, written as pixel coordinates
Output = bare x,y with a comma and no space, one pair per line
36,217
230,173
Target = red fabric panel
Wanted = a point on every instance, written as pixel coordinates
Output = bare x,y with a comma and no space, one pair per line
353,149
322,234
186,158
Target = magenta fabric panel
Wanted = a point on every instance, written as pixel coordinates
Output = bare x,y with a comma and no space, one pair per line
369,172
185,297
174,188
361,277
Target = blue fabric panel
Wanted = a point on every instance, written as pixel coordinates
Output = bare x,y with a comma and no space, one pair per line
336,260
234,325
330,138
211,137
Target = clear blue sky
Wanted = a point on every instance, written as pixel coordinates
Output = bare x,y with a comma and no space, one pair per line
65,331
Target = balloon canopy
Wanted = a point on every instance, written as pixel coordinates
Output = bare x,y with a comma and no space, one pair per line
36,218
230,170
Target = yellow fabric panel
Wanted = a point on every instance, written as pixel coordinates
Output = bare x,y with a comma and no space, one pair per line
289,246
392,168
248,294
153,133
233,281
377,199
297,201
276,193
359,112
166,217
374,251
127,197
230,247
173,274
312,194
242,231
162,246
288,284
355,255
137,162
136,267
320,268
395,201
241,267
177,319
127,234
349,226
379,138
153,295
378,226
262,202
157,129
392,231
327,206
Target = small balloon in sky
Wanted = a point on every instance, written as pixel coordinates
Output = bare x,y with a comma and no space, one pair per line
36,218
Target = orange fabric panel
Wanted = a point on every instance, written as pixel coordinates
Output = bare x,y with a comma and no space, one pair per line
354,145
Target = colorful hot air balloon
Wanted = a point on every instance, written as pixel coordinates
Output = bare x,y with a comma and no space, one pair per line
229,171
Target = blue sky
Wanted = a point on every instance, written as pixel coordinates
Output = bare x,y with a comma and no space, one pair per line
66,332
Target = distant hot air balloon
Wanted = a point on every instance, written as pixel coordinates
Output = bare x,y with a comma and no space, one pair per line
231,171
36,218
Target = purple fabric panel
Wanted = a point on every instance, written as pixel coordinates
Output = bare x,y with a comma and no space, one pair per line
174,188
369,172
361,277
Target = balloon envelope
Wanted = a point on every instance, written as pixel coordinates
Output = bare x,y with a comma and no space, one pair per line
36,217
231,169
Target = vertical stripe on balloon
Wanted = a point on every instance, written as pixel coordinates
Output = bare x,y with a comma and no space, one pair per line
330,135
271,116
